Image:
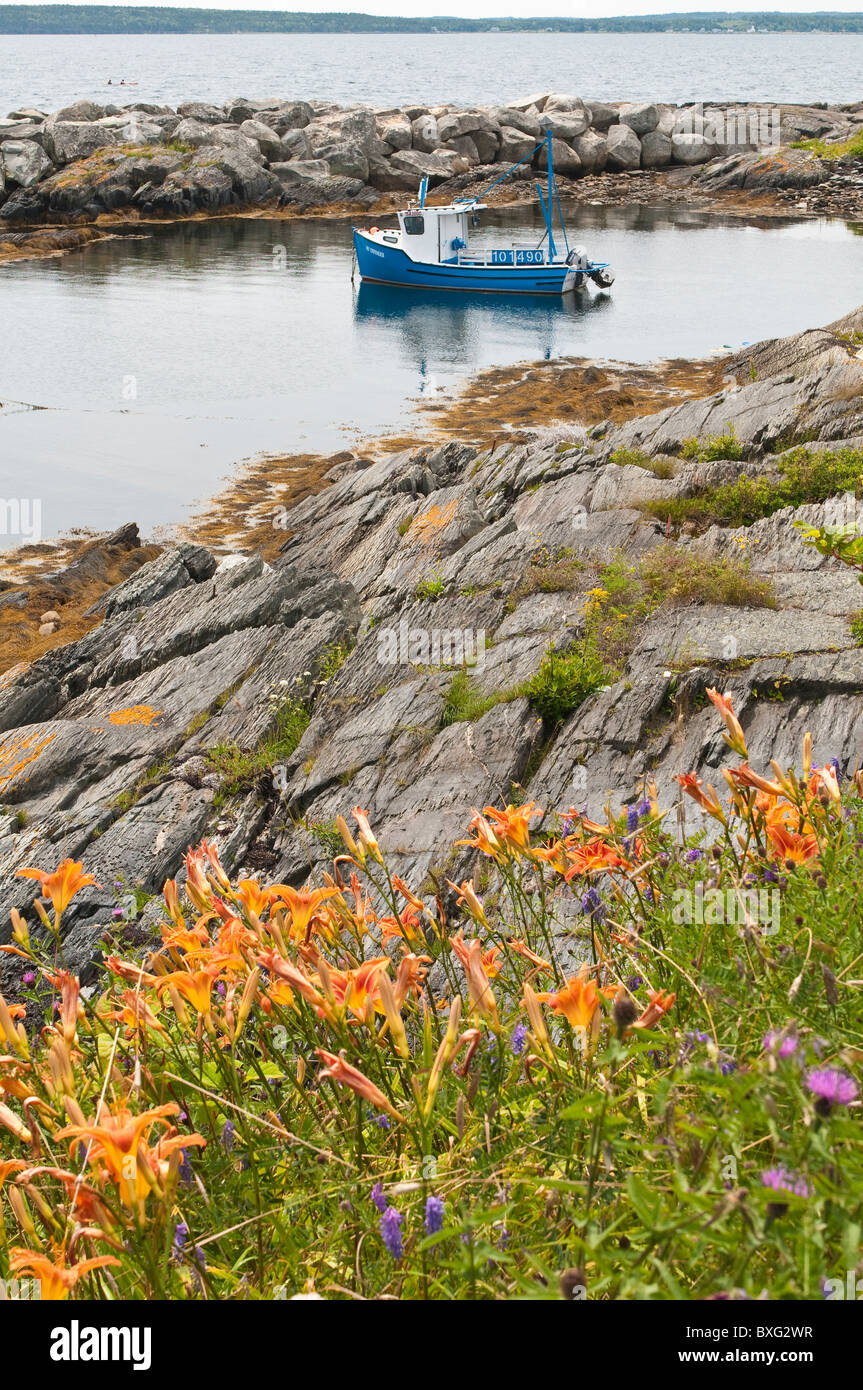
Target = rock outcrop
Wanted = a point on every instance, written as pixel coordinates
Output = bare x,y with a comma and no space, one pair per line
87,160
395,582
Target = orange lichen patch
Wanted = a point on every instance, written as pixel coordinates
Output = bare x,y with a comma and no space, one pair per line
136,714
427,527
16,753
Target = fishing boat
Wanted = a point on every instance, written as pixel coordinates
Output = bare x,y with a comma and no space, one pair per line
429,249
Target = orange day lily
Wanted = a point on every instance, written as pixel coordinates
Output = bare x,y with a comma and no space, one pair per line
292,976
55,1279
86,1203
254,898
303,906
512,826
136,1014
735,736
521,949
578,1001
467,897
708,801
10,1165
825,784
366,835
745,776
659,1004
486,840
344,1074
409,976
791,847
121,1137
358,989
482,997
70,1006
406,927
194,985
61,886
593,857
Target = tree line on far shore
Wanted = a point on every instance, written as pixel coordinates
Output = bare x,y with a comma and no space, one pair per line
121,19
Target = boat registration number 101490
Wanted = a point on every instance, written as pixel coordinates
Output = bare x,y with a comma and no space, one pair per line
518,257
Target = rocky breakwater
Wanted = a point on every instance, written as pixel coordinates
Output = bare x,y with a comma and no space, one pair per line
398,653
87,160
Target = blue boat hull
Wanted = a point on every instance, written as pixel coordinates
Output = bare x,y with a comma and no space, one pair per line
389,265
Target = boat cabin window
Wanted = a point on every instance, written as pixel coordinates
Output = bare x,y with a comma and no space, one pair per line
414,226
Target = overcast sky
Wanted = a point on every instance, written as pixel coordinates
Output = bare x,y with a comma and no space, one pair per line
494,9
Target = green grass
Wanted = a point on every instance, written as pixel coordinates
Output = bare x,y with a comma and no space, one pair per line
846,149
806,475
551,573
628,594
712,447
660,467
333,660
565,679
465,703
239,768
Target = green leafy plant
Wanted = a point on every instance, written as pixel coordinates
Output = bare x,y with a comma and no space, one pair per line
714,446
565,679
430,589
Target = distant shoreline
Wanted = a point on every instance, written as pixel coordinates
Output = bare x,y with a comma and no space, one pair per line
46,20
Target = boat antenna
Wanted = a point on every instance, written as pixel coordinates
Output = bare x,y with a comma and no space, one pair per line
423,186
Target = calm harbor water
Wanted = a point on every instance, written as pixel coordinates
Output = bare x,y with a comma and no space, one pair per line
50,71
159,363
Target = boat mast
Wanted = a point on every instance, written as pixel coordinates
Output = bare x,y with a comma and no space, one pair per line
546,202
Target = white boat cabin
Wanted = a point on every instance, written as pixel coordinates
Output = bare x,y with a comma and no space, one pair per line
433,234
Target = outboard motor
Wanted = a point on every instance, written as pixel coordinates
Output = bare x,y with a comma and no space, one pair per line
603,278
578,258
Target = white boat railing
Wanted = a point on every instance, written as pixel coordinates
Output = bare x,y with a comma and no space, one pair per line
503,256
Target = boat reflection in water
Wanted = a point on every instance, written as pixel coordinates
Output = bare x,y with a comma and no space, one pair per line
446,333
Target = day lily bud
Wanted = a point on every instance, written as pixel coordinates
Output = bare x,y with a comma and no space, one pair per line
43,915
21,1213
807,756
367,838
20,930
73,1110
247,1000
15,1037
172,901
537,1022
734,737
392,1015
350,842
444,1053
